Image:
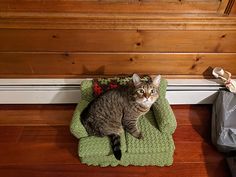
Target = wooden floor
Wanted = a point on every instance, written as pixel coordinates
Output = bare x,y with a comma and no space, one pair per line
35,142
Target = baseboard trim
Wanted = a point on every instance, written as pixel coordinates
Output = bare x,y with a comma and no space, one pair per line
66,91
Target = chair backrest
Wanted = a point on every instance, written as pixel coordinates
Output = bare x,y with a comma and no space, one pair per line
87,89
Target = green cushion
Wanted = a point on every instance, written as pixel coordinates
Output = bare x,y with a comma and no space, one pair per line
158,159
154,140
156,148
92,145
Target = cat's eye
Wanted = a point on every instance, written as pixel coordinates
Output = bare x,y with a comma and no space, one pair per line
152,91
141,91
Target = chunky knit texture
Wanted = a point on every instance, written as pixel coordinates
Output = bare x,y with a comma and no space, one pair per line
157,126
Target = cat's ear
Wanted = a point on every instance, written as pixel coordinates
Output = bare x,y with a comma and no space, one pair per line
136,80
156,80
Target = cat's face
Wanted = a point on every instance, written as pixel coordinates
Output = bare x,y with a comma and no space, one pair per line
146,93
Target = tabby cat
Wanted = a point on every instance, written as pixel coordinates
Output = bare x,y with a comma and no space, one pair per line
119,109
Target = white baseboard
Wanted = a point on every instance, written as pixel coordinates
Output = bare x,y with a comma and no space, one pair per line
61,91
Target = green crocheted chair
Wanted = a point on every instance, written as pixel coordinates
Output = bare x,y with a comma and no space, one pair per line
157,126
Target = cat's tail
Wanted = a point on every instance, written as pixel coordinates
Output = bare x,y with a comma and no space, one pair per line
115,144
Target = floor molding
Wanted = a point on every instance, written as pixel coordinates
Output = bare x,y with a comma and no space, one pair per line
63,91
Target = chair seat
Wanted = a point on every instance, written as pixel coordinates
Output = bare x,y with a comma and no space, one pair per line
153,140
97,146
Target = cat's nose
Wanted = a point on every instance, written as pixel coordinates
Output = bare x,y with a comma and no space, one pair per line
145,95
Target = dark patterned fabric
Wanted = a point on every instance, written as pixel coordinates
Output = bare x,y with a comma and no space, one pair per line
102,85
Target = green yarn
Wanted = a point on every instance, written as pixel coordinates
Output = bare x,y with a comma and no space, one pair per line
87,90
156,148
97,146
158,159
76,127
164,116
154,140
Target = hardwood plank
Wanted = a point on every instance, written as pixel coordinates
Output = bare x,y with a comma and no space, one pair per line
193,114
51,115
51,173
36,115
196,152
39,153
194,133
52,151
66,153
190,169
66,64
61,134
10,134
114,6
125,41
176,170
46,134
73,168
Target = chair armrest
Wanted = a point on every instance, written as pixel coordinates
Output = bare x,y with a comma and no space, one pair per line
76,127
164,116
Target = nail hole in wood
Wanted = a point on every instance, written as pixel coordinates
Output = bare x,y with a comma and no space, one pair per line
223,36
66,54
193,66
197,58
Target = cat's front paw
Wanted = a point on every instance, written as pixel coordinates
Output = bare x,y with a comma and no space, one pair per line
140,136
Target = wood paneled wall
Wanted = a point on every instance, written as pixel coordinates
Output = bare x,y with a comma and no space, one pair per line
114,6
92,38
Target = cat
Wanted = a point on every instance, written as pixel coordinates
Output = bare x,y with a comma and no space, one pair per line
119,109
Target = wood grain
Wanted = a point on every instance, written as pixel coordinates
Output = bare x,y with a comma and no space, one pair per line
233,10
46,148
196,133
46,134
10,134
116,41
114,6
59,115
46,38
194,115
189,169
36,115
120,22
71,170
65,64
66,153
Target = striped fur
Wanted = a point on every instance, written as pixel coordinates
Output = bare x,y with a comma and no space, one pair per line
115,144
119,109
